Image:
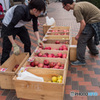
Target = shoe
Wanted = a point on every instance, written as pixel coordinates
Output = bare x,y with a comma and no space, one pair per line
94,54
78,63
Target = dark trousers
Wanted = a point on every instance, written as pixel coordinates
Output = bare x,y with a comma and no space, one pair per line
86,39
24,37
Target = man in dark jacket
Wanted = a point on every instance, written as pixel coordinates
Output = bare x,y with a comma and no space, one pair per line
13,24
88,15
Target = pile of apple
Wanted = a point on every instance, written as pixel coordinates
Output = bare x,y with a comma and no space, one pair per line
65,42
59,55
15,67
63,47
59,31
47,64
60,34
56,79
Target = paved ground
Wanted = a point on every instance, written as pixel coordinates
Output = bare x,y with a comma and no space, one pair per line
79,78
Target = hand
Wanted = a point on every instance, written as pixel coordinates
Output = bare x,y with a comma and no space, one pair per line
16,49
76,37
40,43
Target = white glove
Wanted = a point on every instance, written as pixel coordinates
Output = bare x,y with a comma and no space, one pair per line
16,49
40,43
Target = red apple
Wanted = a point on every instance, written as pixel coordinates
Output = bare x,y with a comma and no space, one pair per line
44,55
48,66
46,48
52,54
49,55
59,55
40,65
36,63
45,66
40,54
46,62
16,66
64,56
61,48
58,63
52,64
61,67
32,64
57,42
57,67
49,48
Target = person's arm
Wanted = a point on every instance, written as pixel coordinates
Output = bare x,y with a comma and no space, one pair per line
82,26
35,28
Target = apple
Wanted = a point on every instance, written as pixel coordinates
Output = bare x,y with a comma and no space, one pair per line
59,55
46,48
58,63
16,66
57,42
40,54
45,66
14,69
52,64
36,63
61,67
63,45
64,56
49,48
48,66
44,55
46,62
56,33
49,55
61,48
56,67
32,64
40,65
52,54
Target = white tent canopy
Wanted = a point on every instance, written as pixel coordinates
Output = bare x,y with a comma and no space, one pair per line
5,4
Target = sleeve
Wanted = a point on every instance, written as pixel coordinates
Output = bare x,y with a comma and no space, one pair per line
78,15
35,23
17,16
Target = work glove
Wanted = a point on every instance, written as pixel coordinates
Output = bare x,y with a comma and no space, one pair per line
40,43
16,49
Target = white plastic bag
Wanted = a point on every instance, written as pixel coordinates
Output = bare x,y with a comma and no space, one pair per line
50,21
29,77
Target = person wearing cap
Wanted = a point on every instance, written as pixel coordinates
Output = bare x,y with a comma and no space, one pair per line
88,15
13,24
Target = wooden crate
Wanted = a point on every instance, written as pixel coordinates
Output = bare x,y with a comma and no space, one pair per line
59,28
52,52
46,27
41,60
73,41
52,39
72,52
58,33
7,76
41,90
53,46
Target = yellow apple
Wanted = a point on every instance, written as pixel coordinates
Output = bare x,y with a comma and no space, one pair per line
60,77
54,79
